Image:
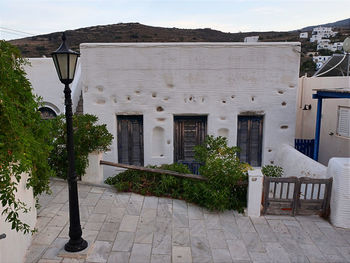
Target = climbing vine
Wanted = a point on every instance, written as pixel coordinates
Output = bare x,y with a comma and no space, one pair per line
24,137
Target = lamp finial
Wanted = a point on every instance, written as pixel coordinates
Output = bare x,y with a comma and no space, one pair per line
64,37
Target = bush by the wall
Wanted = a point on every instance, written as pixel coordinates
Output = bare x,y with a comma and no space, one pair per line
221,167
272,171
88,137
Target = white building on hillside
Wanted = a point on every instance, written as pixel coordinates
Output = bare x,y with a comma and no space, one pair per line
320,60
251,39
321,32
304,35
326,44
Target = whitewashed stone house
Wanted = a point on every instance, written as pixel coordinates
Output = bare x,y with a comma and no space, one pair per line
161,99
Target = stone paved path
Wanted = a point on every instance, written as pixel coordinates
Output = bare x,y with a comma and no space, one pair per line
124,227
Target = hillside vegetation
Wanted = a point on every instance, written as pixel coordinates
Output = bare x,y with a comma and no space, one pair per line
43,45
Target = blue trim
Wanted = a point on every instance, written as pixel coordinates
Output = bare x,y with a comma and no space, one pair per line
331,95
318,128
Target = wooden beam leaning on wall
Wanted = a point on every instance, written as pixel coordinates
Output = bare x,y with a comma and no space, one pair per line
160,171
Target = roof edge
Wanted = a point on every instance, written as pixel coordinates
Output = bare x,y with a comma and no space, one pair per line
188,44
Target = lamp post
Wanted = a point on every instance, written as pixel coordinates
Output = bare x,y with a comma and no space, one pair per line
65,62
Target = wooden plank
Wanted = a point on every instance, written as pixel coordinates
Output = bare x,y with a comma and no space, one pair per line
153,170
266,193
283,179
312,180
280,200
327,196
280,208
159,171
296,196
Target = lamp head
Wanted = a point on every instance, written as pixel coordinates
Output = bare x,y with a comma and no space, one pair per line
65,61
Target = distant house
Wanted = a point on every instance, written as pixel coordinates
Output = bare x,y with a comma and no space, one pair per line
304,35
251,39
320,60
321,32
326,44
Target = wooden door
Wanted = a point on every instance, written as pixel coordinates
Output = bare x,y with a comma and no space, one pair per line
130,139
249,139
189,131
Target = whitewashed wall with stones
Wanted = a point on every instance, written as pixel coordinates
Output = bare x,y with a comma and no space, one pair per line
220,80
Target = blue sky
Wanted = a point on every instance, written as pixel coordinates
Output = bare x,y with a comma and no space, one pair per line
46,16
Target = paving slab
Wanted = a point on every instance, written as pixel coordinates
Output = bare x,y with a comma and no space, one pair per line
127,227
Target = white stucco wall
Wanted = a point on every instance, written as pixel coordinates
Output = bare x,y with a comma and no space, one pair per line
339,169
42,74
13,247
294,163
220,80
331,145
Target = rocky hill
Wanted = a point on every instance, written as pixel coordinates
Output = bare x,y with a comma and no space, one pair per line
341,24
43,45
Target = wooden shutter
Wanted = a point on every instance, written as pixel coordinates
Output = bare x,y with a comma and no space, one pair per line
189,131
130,140
343,128
249,139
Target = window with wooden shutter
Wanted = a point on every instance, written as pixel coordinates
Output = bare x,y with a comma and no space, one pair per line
343,127
130,139
249,139
189,131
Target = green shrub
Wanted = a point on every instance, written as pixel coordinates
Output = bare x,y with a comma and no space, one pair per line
221,167
88,137
272,171
24,137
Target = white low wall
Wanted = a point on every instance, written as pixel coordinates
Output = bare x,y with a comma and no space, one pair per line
255,190
339,169
13,247
94,171
294,163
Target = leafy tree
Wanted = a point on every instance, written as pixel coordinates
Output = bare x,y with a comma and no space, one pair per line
325,52
224,170
308,65
88,137
24,137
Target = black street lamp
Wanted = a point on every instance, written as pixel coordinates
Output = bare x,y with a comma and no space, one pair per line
65,62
